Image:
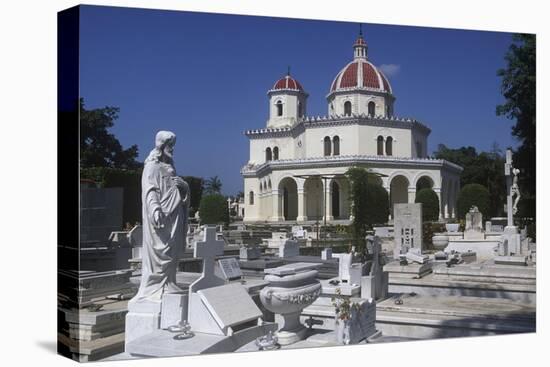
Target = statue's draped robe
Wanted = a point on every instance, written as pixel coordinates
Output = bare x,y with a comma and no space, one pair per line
161,245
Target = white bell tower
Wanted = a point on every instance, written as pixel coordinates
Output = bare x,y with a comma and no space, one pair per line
287,103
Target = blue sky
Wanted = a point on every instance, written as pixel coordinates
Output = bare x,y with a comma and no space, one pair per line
205,77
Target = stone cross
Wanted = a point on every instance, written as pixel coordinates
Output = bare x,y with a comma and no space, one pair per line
207,249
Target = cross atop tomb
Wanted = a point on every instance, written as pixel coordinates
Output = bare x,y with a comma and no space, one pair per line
207,249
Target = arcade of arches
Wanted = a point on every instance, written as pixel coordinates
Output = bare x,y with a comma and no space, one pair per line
301,199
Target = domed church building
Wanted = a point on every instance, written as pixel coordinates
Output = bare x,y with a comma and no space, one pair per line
296,171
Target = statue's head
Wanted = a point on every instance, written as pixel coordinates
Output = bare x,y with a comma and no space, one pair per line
165,142
164,146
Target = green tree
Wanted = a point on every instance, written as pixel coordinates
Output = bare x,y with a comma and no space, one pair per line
473,194
213,209
485,168
213,185
98,147
430,204
370,204
518,87
196,186
378,204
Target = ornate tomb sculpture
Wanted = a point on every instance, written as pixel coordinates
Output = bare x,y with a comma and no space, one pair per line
291,288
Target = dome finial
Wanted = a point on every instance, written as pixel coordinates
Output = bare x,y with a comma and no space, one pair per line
360,46
288,70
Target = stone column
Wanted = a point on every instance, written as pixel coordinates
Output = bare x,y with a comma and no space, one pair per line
301,201
327,191
412,194
441,208
277,210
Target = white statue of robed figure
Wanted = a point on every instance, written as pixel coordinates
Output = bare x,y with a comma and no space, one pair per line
165,201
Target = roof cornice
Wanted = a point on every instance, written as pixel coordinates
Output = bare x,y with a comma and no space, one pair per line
345,161
329,121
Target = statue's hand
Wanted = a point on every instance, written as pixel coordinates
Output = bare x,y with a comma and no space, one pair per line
158,219
180,183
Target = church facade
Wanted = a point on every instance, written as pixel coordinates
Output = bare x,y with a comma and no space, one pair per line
297,165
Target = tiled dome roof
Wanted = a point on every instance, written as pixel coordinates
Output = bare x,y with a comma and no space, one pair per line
287,82
360,73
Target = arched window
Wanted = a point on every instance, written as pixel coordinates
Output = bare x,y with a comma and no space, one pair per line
268,155
347,108
371,108
380,145
279,105
300,109
275,153
389,145
336,145
251,197
327,145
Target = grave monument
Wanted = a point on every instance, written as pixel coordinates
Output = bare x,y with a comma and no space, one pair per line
407,228
165,201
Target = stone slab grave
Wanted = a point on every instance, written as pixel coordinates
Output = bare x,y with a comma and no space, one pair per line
407,228
88,287
289,248
292,268
412,270
249,253
229,268
216,307
443,316
414,255
511,260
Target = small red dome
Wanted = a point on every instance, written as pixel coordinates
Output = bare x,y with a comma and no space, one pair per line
360,73
287,82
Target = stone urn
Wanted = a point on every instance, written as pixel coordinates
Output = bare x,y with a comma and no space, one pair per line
291,288
452,227
440,241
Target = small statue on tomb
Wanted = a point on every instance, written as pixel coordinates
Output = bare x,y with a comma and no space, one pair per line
514,190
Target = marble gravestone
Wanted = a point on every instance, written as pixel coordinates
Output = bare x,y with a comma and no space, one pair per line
216,307
407,228
474,225
230,268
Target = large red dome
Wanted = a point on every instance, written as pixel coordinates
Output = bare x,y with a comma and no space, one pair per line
360,73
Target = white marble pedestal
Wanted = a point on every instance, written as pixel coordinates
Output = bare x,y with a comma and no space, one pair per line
291,329
145,317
